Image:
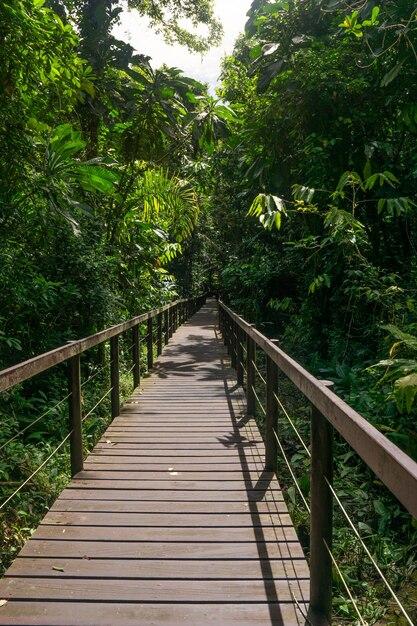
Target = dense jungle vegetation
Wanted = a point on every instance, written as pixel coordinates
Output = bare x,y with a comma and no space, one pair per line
293,193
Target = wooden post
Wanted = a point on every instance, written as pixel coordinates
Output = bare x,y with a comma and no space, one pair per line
271,420
136,356
150,343
159,347
233,355
226,321
175,319
166,333
114,376
170,323
239,356
321,522
75,415
251,356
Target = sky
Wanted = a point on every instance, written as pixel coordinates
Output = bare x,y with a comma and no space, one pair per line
232,14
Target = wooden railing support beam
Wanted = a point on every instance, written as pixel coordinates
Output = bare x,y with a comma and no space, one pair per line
170,324
271,420
75,415
166,332
150,344
250,359
115,376
321,521
160,333
239,356
136,356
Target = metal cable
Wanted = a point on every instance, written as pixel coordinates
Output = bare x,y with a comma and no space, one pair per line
293,425
292,473
90,378
243,367
131,369
259,373
35,422
37,470
259,402
375,564
342,578
97,404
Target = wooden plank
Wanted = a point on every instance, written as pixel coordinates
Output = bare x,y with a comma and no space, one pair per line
164,534
181,440
274,507
122,550
108,463
173,520
241,476
107,614
220,569
140,425
129,591
167,495
138,452
201,486
188,520
249,478
181,445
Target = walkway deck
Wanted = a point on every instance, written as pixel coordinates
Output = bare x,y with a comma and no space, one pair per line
173,520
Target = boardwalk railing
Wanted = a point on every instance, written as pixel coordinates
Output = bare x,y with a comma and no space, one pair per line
161,324
392,466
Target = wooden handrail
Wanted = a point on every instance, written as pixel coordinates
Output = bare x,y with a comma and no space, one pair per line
23,371
70,353
395,468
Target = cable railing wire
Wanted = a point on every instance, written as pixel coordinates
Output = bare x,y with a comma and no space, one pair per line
364,546
3,504
38,419
351,525
129,371
93,376
353,528
257,398
293,425
292,473
258,372
97,404
342,578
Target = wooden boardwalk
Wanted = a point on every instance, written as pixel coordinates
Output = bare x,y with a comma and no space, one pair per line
174,520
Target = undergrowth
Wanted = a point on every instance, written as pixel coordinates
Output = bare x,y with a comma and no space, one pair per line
389,532
20,457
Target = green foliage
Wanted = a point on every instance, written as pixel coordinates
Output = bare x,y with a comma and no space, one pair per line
401,369
269,210
100,194
166,17
324,158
